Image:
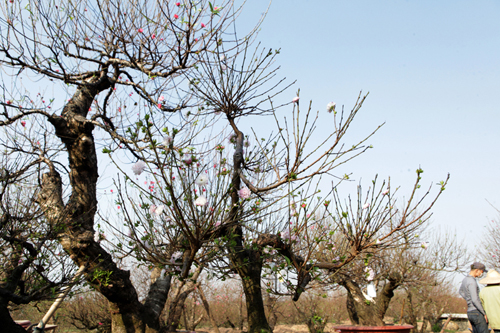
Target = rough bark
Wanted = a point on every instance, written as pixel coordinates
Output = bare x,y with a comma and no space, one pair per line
369,312
248,264
75,219
351,310
412,318
179,299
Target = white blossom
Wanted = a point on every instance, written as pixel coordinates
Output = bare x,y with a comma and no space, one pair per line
200,201
167,141
159,210
202,180
139,167
370,274
330,107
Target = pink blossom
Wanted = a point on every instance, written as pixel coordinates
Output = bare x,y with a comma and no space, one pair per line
203,25
295,99
161,98
23,123
140,30
176,16
177,4
385,192
8,102
366,205
370,274
175,256
244,193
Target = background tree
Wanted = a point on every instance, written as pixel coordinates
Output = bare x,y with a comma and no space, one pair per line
490,253
417,260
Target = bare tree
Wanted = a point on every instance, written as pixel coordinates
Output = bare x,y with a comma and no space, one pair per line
210,204
411,262
83,49
490,253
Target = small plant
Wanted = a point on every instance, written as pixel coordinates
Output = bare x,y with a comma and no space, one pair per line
436,327
316,324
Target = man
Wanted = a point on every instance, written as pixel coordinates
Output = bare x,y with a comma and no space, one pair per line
490,298
469,290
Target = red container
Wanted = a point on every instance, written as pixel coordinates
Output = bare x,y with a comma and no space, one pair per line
373,329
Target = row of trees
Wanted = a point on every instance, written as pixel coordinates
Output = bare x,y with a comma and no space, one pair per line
88,311
168,92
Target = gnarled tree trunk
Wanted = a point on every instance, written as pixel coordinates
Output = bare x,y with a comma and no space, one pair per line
363,311
75,219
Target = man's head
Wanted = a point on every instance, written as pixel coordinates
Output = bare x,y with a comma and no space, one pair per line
477,269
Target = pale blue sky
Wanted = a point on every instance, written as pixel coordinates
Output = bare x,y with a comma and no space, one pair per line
433,72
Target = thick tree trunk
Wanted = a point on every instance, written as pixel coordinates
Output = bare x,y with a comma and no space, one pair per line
351,309
366,312
75,219
369,312
248,264
8,324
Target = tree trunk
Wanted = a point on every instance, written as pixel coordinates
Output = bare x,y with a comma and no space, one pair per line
351,310
75,219
369,312
412,318
248,264
8,324
179,299
366,311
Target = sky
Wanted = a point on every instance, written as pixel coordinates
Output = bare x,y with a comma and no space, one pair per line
432,70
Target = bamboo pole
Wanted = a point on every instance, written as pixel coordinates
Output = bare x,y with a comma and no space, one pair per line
41,325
